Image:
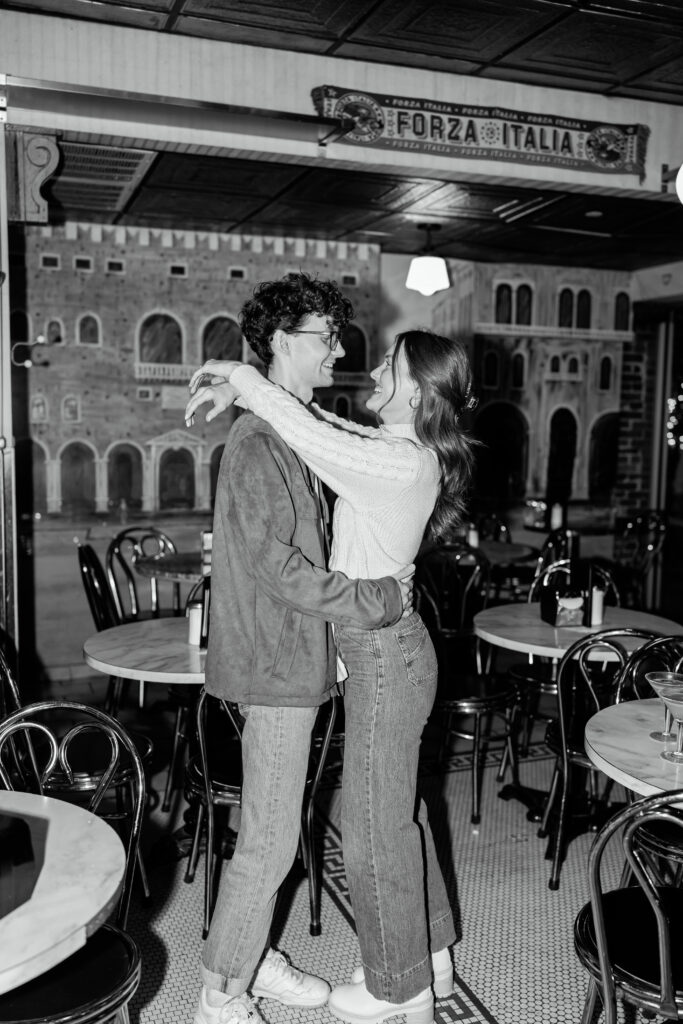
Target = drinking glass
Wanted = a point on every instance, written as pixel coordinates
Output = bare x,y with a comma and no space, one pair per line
662,677
669,686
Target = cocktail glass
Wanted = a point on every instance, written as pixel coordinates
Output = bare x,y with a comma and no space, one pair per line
663,677
669,686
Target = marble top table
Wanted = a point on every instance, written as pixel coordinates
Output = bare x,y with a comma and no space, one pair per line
150,650
83,863
519,627
618,742
178,567
499,552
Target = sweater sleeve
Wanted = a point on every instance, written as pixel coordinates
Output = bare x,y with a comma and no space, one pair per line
366,471
265,519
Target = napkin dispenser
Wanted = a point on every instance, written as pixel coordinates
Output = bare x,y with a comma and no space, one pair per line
22,850
562,606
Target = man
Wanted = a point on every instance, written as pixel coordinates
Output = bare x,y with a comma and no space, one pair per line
270,645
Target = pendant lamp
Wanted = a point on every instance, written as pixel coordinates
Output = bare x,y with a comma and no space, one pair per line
428,274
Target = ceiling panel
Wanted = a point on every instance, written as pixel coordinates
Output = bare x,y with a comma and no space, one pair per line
610,47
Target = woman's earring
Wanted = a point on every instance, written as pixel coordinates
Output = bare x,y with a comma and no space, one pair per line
414,401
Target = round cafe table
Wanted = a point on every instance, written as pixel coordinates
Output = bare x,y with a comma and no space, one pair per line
149,650
618,742
79,864
519,627
499,552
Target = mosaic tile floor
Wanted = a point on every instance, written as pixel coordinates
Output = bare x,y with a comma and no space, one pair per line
514,960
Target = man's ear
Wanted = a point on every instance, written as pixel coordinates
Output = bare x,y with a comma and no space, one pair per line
280,342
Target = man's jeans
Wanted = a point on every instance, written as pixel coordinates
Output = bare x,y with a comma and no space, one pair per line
275,750
397,891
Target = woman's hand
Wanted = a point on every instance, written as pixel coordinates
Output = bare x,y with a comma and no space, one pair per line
222,395
213,368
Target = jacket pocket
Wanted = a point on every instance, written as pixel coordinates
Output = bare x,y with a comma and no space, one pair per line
287,644
418,652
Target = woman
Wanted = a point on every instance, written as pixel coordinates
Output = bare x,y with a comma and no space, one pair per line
392,482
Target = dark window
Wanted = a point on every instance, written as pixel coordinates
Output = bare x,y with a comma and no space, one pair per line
237,274
83,263
566,308
605,382
355,358
50,262
555,364
490,375
88,330
350,280
573,366
221,339
503,304
622,312
161,340
523,310
518,370
54,333
178,270
116,266
602,459
583,308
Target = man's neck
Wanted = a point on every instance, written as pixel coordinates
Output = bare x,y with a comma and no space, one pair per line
279,375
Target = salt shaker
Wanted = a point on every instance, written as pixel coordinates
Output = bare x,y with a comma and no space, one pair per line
597,606
194,614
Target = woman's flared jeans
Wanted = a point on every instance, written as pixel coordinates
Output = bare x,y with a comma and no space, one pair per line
397,891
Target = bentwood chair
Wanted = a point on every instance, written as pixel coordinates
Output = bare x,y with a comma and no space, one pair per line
94,984
639,540
213,781
535,679
122,552
452,585
128,545
588,679
630,939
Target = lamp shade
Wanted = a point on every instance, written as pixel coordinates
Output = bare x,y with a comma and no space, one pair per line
679,183
428,274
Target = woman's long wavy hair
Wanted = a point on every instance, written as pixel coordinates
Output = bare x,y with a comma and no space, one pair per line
441,369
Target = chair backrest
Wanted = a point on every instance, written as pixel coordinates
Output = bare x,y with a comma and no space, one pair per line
10,699
100,600
661,654
134,542
452,582
661,958
588,679
560,572
559,544
641,538
36,756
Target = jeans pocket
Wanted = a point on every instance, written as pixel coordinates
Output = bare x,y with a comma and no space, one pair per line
354,638
418,653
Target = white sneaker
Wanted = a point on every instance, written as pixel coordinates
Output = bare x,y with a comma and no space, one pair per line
277,979
232,1010
442,965
355,1005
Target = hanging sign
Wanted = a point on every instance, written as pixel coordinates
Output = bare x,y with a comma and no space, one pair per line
485,133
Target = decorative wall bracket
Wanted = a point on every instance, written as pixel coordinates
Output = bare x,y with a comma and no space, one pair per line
32,159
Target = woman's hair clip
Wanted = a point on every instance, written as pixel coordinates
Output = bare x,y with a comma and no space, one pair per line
471,401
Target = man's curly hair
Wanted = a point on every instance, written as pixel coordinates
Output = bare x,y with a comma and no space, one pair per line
285,304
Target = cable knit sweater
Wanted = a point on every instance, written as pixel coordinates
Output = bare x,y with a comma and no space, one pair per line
386,481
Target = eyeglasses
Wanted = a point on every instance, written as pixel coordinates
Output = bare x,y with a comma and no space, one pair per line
331,338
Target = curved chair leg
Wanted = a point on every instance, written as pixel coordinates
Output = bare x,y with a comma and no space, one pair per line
177,750
549,801
143,875
589,1004
558,846
209,865
476,764
194,849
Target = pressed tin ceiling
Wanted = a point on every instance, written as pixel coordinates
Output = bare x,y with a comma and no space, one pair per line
626,48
